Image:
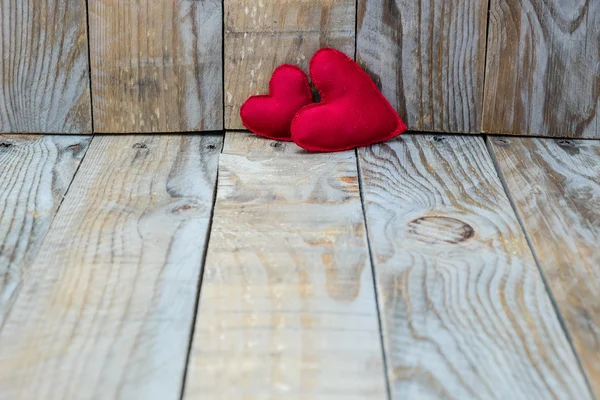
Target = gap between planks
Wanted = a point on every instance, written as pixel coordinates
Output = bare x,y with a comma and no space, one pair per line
466,314
287,303
37,174
115,280
551,296
555,189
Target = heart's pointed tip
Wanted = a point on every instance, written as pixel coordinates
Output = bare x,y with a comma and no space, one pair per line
401,125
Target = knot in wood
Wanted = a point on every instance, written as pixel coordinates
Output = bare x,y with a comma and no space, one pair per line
438,230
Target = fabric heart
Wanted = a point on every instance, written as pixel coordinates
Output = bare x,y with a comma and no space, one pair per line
271,115
352,112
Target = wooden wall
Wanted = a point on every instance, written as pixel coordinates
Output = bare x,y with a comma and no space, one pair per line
44,80
543,68
156,65
529,67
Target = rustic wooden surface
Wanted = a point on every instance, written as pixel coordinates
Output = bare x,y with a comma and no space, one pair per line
106,309
261,34
543,68
428,59
465,312
555,185
156,65
44,81
287,307
36,171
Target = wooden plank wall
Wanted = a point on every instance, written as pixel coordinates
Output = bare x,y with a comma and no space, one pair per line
543,68
527,68
44,83
427,57
156,65
261,34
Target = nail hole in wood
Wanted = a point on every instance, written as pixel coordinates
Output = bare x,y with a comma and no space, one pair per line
211,147
567,143
276,144
140,146
438,139
186,207
5,145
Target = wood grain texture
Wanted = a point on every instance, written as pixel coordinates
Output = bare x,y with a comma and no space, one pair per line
156,65
543,68
287,307
555,185
106,309
44,81
36,171
427,57
465,311
261,34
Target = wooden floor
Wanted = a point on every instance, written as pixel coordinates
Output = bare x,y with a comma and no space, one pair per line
233,267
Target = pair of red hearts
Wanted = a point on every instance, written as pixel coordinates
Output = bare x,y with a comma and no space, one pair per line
352,112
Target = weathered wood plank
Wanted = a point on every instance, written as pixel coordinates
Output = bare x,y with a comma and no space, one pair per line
555,186
156,65
260,35
543,68
465,311
44,81
36,171
287,307
106,309
427,57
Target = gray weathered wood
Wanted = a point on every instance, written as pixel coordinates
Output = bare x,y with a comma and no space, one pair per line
543,68
156,65
427,57
287,307
465,311
261,34
44,81
106,309
555,185
35,173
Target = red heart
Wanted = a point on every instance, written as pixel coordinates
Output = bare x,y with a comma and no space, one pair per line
352,112
271,115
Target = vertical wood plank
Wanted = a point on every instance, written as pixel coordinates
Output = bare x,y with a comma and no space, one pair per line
427,57
106,309
465,311
287,307
543,68
156,65
555,185
44,81
261,34
36,171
